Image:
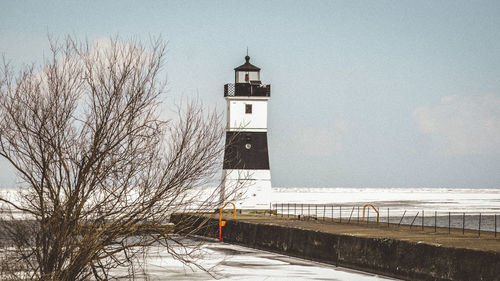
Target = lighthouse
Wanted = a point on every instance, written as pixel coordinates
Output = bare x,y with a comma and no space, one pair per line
246,173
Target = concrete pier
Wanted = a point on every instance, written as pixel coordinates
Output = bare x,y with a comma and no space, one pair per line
396,252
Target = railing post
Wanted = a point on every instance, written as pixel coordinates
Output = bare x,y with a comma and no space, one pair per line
495,225
401,220
463,223
449,222
282,209
368,216
423,217
479,227
350,216
288,212
316,211
388,216
358,214
340,208
414,219
435,221
332,212
324,212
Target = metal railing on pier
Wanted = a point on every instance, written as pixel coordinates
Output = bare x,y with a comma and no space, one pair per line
465,223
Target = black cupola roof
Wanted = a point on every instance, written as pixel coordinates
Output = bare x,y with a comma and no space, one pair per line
247,66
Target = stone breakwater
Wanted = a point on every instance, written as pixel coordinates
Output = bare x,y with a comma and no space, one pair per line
411,260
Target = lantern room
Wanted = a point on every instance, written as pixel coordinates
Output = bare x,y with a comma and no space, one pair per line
247,73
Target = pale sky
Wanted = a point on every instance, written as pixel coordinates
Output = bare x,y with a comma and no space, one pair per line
364,93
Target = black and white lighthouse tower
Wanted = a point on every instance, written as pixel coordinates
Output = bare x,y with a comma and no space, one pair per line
246,159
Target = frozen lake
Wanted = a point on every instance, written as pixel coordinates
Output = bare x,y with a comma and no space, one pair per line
468,200
233,262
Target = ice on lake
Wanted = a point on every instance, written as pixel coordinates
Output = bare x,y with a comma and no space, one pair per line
468,200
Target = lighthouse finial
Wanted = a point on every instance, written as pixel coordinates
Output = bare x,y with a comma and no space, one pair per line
247,58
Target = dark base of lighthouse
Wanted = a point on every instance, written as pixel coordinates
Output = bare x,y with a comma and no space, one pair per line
246,174
246,150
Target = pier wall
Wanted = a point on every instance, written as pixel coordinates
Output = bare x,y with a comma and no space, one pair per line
390,257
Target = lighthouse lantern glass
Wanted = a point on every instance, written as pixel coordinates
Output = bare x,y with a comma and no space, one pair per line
247,76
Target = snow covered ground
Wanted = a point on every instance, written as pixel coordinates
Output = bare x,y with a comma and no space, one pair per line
232,262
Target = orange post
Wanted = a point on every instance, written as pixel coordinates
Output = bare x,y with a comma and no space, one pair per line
364,207
223,223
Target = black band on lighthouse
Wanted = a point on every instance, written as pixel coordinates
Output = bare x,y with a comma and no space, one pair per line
246,150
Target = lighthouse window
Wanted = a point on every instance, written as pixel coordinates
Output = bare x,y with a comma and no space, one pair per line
248,108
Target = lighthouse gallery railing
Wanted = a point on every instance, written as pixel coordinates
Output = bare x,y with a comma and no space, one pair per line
247,90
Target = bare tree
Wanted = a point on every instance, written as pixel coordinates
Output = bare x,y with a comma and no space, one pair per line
102,173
